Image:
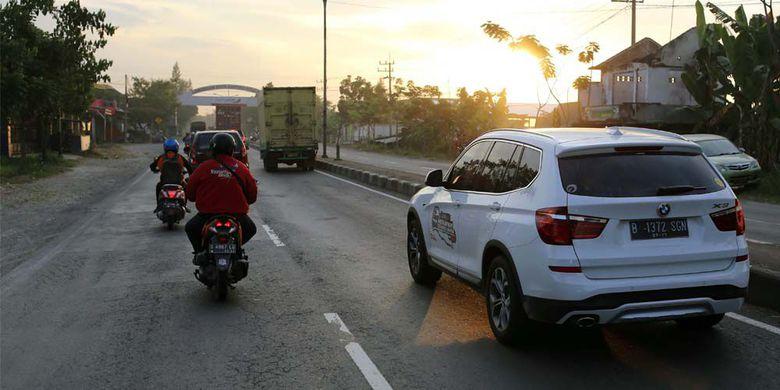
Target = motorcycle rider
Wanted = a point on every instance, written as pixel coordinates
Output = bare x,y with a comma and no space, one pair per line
220,185
171,166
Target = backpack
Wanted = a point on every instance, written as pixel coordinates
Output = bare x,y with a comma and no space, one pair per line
171,170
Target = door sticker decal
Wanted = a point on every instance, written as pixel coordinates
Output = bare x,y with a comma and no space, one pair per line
442,226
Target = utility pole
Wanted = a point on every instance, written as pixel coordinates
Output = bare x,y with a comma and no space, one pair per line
127,109
388,68
324,79
633,22
633,16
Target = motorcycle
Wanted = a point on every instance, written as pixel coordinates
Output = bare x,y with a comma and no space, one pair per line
173,205
224,262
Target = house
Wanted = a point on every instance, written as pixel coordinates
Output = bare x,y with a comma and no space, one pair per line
641,84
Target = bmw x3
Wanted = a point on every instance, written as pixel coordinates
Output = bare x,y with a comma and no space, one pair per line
583,227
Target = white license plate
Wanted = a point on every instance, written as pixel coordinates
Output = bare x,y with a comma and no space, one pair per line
228,248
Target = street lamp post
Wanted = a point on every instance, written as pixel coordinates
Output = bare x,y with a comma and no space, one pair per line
324,79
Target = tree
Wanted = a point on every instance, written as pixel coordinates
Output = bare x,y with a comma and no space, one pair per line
735,78
586,56
46,75
180,85
582,83
531,45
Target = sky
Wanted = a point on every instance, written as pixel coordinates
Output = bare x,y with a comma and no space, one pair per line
439,42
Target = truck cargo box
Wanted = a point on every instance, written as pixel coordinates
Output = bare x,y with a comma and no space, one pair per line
289,130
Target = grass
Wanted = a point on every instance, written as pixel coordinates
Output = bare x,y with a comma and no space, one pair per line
767,191
400,151
24,169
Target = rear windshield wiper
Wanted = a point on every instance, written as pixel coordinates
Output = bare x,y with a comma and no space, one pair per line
677,190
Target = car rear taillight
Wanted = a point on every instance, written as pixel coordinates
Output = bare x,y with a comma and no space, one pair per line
732,219
742,258
557,227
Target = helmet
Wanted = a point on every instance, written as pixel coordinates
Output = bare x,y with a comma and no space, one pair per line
171,145
222,143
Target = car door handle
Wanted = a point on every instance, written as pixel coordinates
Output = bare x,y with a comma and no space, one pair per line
495,206
457,203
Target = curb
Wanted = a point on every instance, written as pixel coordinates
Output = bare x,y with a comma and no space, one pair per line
764,289
388,183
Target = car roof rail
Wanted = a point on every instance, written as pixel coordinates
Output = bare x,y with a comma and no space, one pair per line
617,130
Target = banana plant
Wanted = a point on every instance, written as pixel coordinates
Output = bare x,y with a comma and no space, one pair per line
735,78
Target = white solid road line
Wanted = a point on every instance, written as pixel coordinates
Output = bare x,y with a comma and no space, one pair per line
359,356
760,221
363,187
758,324
737,317
272,235
759,242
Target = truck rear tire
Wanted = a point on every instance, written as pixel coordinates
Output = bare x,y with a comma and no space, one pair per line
270,165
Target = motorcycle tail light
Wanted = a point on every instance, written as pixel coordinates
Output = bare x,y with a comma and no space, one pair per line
171,194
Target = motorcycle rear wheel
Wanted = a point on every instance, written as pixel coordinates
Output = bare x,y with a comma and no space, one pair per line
221,287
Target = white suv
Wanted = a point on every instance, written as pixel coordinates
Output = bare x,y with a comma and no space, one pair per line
583,227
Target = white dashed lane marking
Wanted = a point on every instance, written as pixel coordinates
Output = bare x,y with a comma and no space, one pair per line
272,235
358,355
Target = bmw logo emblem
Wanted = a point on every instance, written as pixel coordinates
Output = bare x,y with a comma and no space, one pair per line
664,209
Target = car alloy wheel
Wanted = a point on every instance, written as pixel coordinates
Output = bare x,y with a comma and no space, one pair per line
499,299
413,249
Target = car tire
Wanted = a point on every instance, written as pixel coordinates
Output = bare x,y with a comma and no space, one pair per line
699,323
417,254
503,300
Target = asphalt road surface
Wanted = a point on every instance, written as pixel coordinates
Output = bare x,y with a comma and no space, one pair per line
328,303
388,161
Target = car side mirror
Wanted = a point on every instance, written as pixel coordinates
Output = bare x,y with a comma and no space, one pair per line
186,149
742,150
435,178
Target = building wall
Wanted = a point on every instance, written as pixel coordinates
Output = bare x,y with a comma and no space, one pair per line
666,87
679,51
640,83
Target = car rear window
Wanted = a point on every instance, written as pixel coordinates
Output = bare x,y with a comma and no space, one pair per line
202,140
640,174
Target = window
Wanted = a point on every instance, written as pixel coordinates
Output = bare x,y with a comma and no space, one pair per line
528,167
492,178
636,175
202,141
523,167
463,173
718,147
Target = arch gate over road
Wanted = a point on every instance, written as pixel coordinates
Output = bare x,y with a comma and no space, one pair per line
190,98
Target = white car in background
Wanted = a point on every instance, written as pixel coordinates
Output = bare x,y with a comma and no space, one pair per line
583,227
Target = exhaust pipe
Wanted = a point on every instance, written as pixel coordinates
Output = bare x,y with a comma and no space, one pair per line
586,322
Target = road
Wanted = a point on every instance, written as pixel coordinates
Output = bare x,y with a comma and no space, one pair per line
329,303
388,161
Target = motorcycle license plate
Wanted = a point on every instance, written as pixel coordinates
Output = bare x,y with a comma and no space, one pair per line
228,248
